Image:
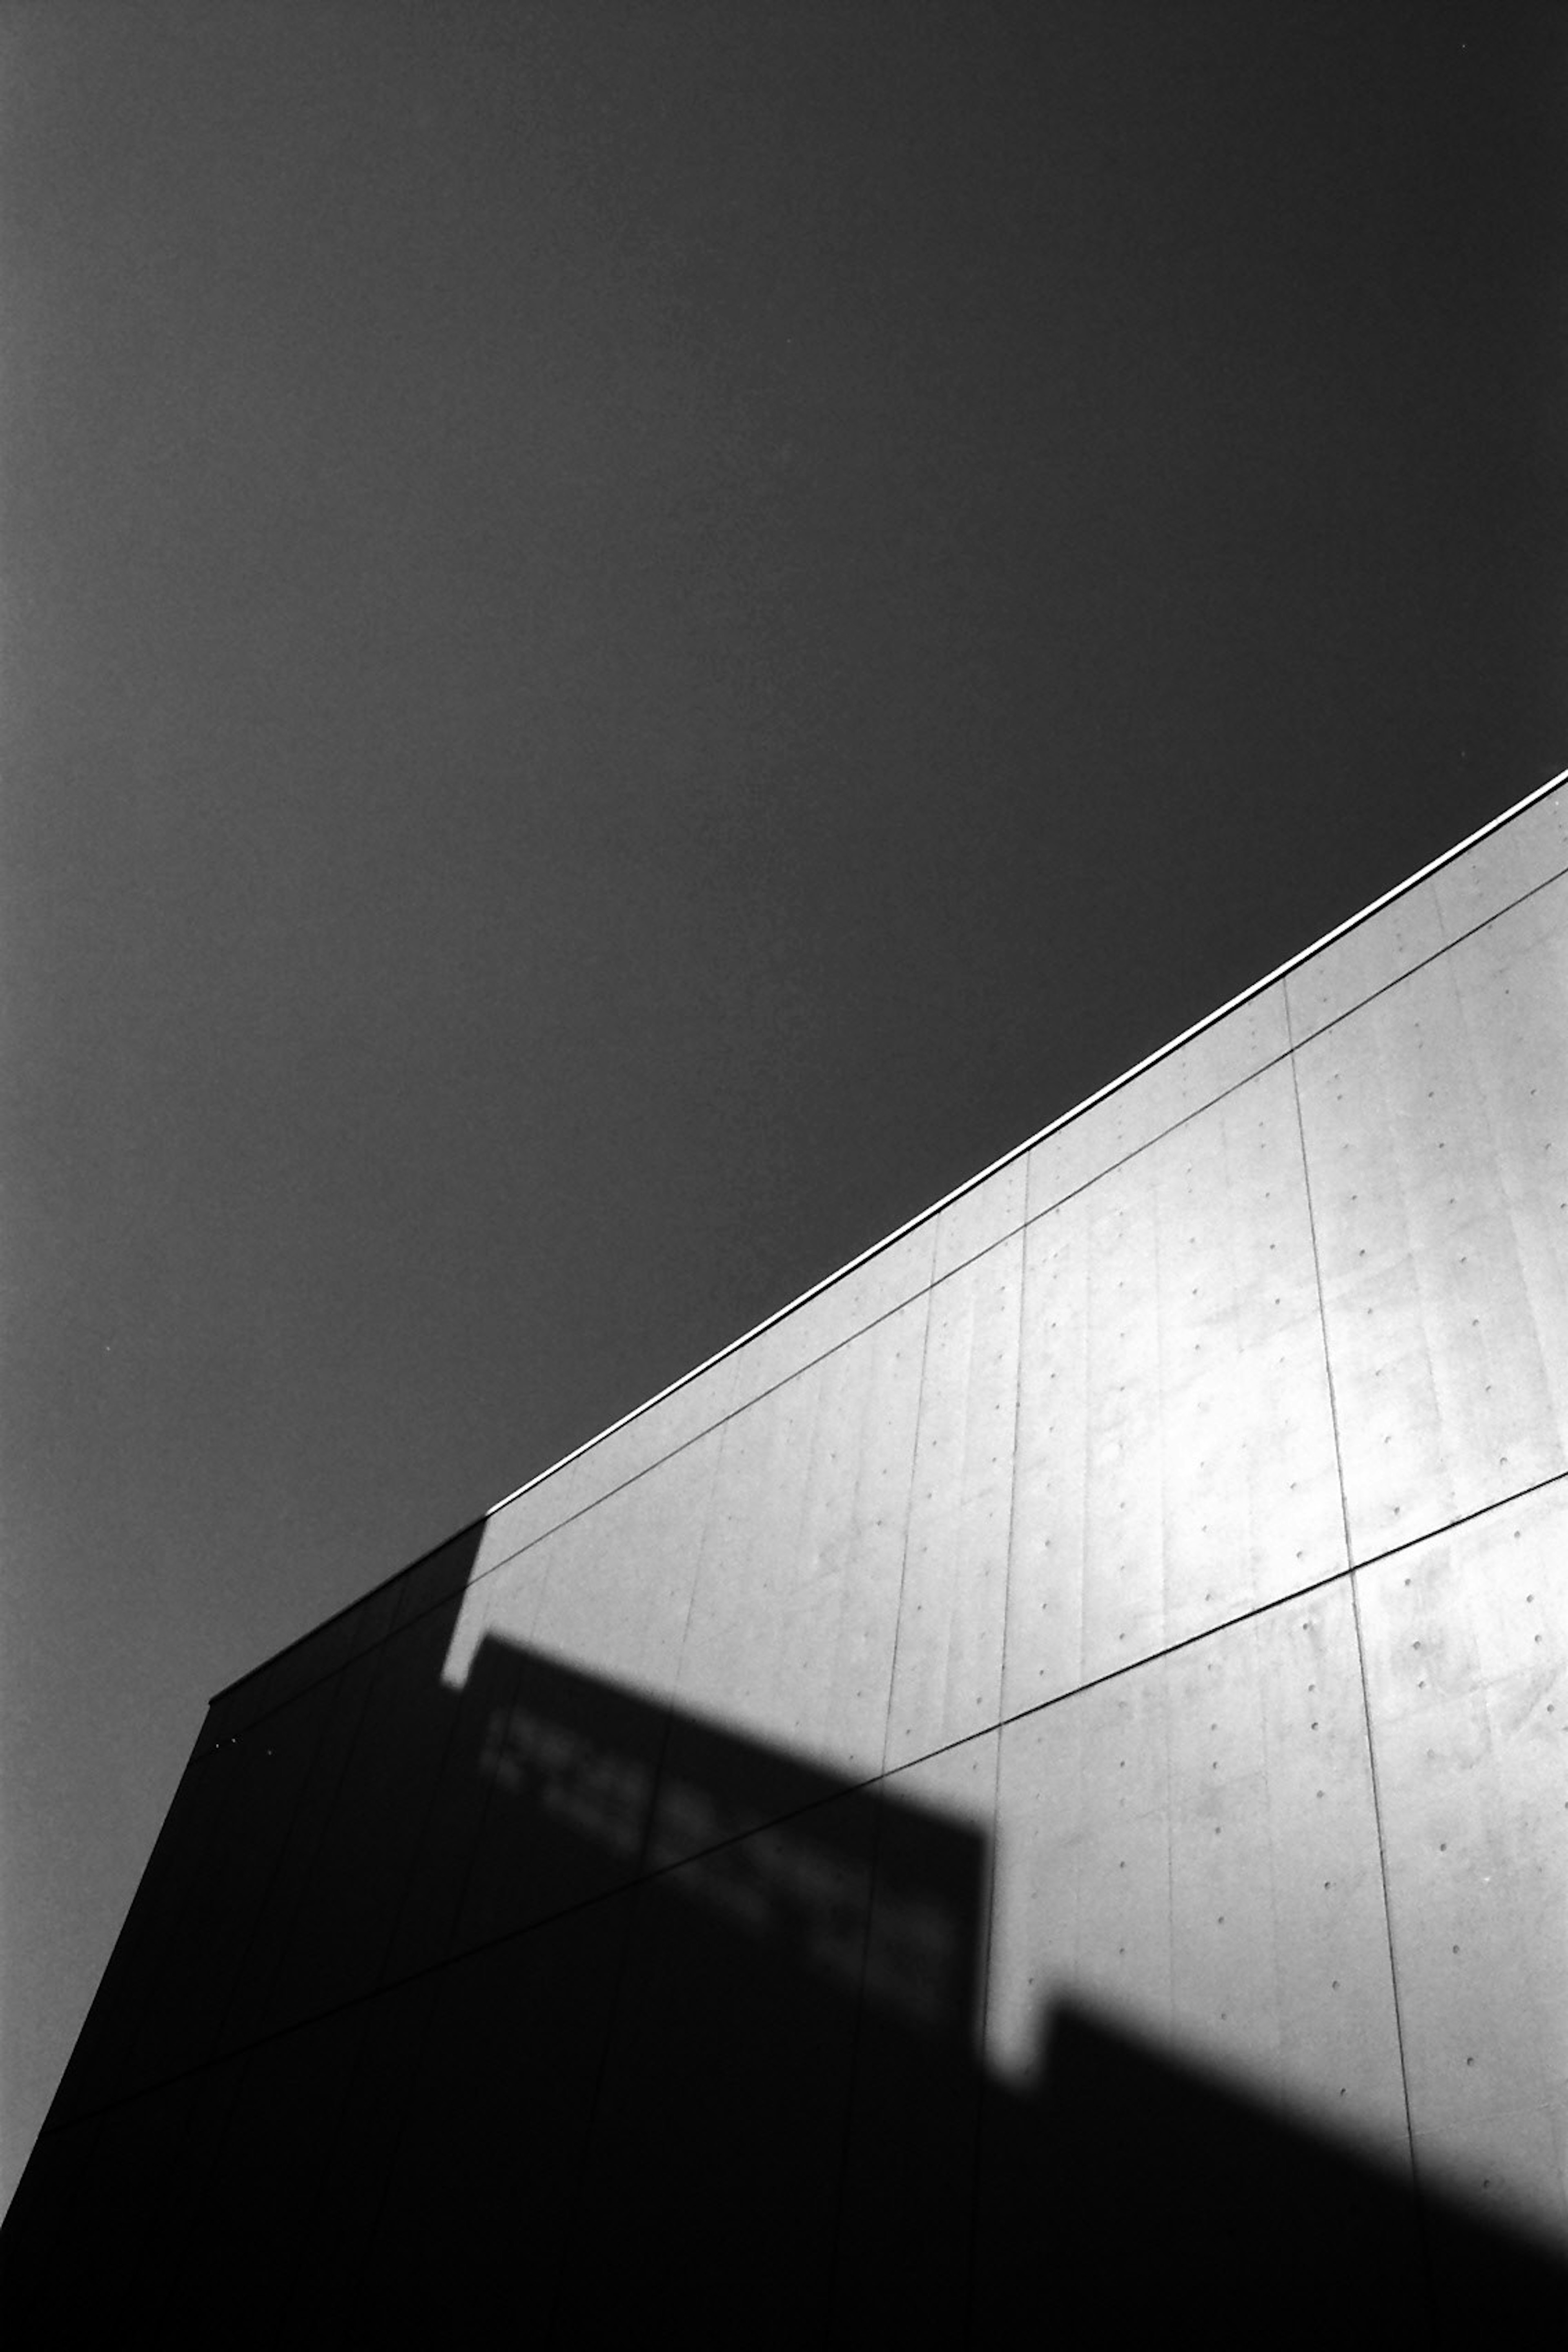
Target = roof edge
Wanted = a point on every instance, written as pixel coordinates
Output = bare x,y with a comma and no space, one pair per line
1065,1119
1114,1086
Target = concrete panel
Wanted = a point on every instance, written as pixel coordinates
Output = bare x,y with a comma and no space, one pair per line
503,1602
902,2260
937,1823
1044,1644
1082,1880
730,1667
1198,1073
1246,1473
1279,1960
621,1578
793,1623
246,2186
119,2211
650,1437
433,1581
1192,1847
193,2200
514,1526
838,1621
1538,920
1467,1640
1223,1924
849,1306
482,2178
333,2294
227,1899
585,1785
576,1723
719,2127
1158,2199
318,1656
552,1790
358,1873
97,2072
1379,952
795,1511
1519,855
245,2008
1337,2058
120,2242
1435,1120
983,1216
450,1849
947,1667
1175,1443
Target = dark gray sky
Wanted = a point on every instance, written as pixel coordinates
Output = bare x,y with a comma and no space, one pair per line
634,636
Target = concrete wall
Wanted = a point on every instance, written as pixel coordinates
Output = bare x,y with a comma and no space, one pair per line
1056,1743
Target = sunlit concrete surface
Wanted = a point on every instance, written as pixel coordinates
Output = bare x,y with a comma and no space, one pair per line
1467,1652
1098,1668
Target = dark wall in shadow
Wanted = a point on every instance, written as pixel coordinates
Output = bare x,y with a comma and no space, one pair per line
1151,2187
685,2074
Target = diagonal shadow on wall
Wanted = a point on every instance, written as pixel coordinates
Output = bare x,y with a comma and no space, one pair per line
533,2012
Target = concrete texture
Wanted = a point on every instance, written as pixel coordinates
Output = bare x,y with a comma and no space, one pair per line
1060,1735
1436,1120
1467,1651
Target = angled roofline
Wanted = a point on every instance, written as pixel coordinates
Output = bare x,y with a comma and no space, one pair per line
923,1215
1017,1150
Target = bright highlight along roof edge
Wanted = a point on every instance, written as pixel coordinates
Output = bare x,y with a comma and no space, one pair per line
1291,963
